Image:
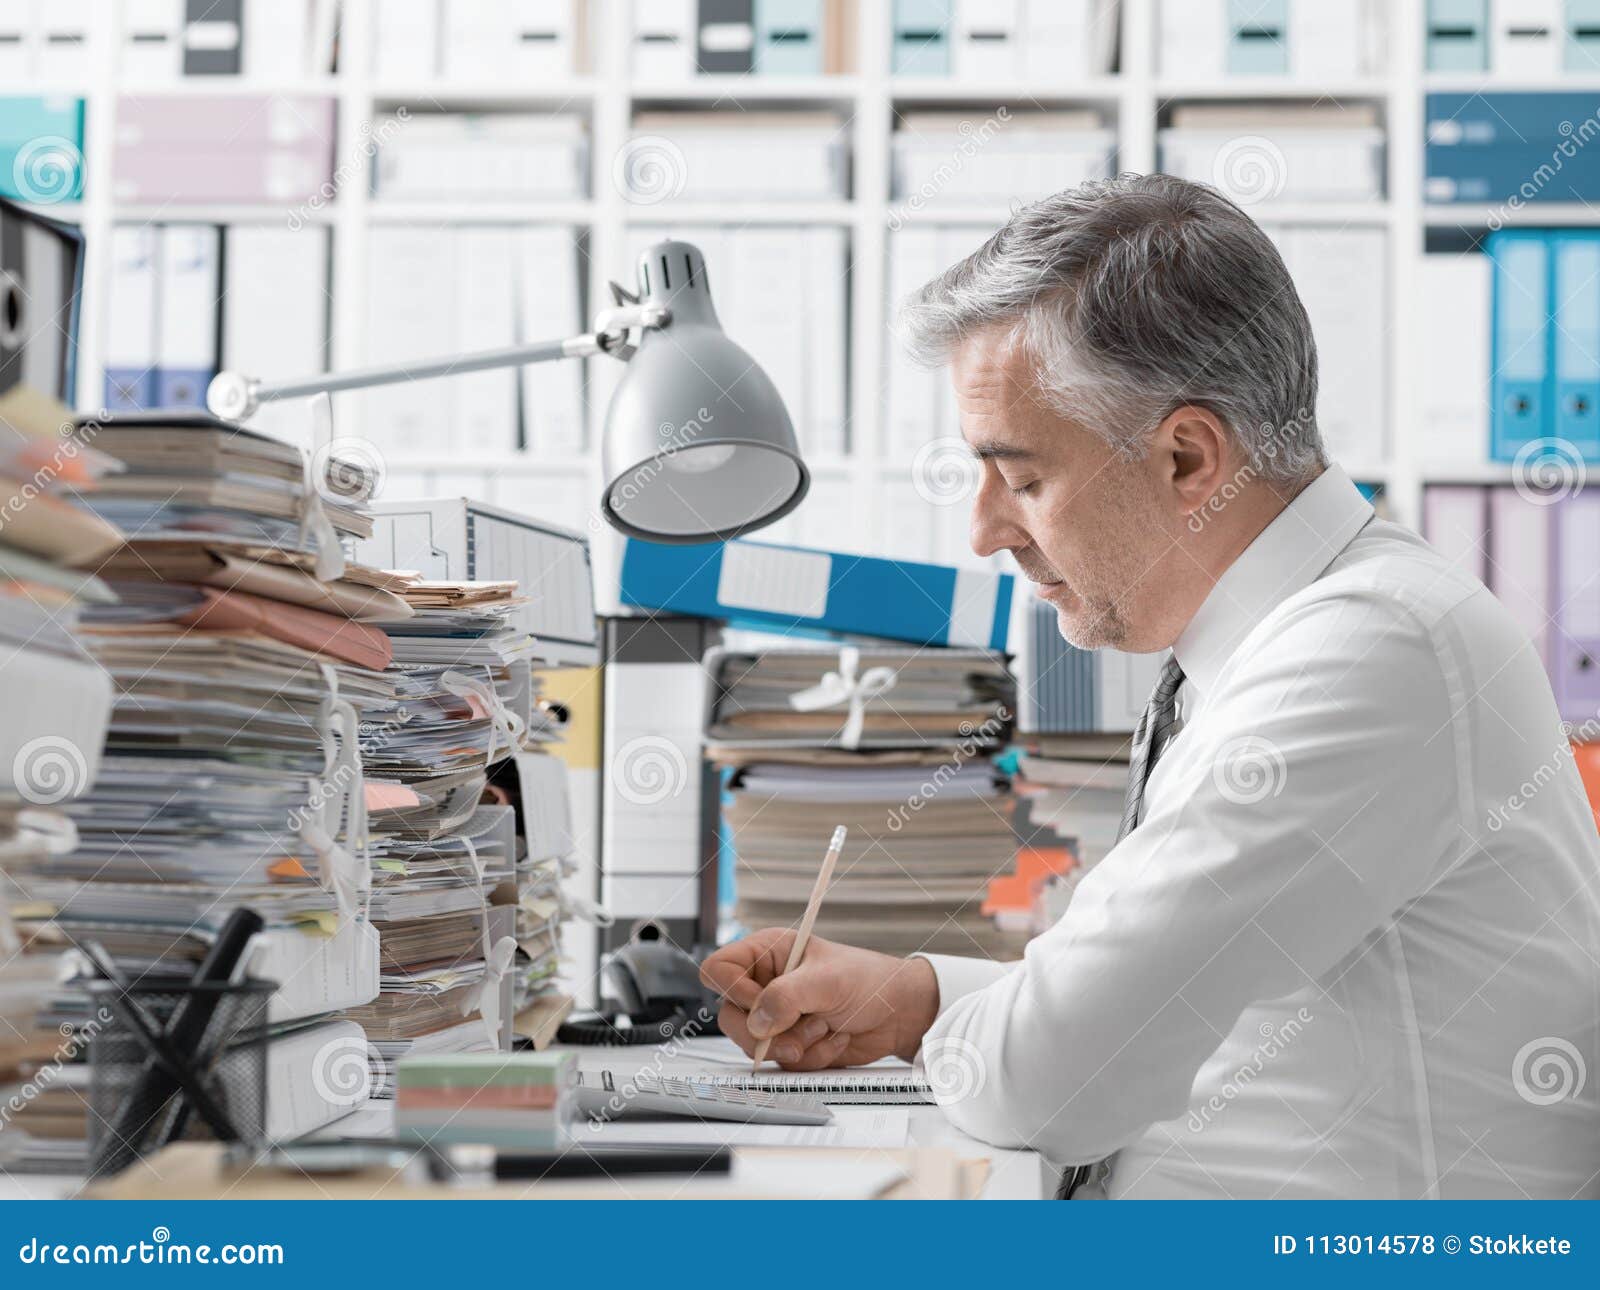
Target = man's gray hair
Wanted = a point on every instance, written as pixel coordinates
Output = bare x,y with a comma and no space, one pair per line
1134,296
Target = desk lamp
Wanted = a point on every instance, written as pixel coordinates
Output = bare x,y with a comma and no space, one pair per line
697,445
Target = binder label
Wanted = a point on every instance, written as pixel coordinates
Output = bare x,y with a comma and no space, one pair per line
773,581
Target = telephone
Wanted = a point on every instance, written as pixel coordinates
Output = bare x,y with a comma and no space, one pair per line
657,988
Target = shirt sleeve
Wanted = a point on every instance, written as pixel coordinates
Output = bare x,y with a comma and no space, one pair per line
958,977
1314,794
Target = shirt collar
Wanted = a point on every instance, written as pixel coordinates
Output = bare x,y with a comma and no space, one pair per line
1286,556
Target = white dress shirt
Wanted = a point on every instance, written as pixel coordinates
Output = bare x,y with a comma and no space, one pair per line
1353,947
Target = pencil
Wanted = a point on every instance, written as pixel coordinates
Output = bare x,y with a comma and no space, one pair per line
803,936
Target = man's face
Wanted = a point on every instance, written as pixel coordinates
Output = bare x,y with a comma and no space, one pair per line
1085,526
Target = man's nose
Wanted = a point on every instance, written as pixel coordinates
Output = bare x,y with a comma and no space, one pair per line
994,529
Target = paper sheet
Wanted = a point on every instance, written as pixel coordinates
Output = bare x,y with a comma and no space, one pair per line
852,1126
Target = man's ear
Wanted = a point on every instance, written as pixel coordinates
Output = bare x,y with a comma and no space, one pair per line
1191,452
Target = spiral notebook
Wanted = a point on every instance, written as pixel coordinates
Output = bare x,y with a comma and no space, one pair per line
860,1087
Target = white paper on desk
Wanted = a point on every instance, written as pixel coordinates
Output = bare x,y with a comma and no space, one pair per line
852,1126
803,1177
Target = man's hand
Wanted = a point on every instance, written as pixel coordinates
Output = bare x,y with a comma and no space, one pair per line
841,1007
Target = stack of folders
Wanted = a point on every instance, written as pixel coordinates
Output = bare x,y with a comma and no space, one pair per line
947,159
231,774
176,289
25,122
1310,40
461,289
674,39
1048,42
1544,388
1330,152
56,704
447,867
1500,147
514,1101
726,156
462,155
1535,551
895,745
1077,710
190,478
273,149
281,41
526,42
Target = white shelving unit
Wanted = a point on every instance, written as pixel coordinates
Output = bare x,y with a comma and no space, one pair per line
607,96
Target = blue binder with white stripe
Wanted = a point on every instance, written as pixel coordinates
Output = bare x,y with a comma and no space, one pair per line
789,589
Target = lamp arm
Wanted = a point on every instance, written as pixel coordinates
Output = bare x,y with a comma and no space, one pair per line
236,397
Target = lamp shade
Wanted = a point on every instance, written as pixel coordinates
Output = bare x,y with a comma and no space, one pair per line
698,446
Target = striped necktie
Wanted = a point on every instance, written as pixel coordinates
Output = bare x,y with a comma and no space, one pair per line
1150,740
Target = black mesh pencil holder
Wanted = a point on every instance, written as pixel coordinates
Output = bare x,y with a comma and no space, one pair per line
173,1059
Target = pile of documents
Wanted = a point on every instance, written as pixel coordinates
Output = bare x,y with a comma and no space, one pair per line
514,1101
188,476
230,774
56,704
893,743
467,915
950,159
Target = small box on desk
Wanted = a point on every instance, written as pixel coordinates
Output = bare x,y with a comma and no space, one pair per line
796,590
520,1100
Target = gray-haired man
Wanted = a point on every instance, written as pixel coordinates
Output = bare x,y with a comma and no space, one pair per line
1325,959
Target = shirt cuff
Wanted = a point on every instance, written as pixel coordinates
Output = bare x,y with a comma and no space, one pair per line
959,977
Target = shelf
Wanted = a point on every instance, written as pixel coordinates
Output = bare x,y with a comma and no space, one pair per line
67,212
1494,215
681,212
933,89
231,86
1487,83
228,213
725,90
457,96
1272,87
555,211
1467,472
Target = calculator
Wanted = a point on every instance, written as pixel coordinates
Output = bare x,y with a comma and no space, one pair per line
605,1095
